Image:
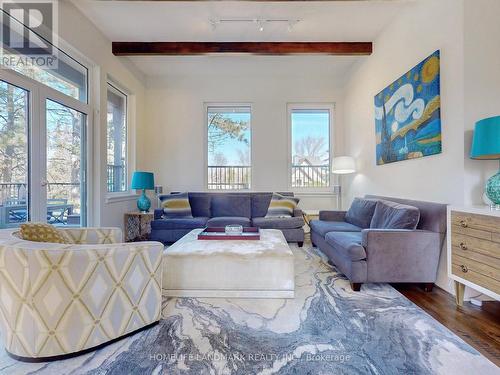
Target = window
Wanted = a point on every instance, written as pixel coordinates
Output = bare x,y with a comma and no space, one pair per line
310,145
116,140
69,78
229,147
44,118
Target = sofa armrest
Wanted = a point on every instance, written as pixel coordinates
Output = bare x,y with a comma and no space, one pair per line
158,213
297,212
332,215
400,255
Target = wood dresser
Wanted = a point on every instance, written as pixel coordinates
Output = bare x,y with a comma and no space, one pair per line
474,250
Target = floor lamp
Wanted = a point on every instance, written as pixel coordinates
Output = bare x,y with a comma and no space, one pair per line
342,165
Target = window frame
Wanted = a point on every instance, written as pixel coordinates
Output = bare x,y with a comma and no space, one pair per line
330,107
119,88
206,106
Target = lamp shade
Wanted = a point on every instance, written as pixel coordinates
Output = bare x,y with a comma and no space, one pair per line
143,180
343,165
486,139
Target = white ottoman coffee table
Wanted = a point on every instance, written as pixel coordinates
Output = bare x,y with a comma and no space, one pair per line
233,269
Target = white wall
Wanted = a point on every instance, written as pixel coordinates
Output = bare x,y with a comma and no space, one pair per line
174,135
422,28
482,85
81,34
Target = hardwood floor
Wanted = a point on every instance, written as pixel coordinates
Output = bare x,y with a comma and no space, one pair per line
478,326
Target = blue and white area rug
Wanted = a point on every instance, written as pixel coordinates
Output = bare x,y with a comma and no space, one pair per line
326,329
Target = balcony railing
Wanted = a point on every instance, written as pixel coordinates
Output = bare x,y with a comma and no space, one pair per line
116,179
310,176
231,177
63,200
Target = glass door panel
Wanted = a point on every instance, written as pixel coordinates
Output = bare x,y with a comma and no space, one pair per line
65,182
14,155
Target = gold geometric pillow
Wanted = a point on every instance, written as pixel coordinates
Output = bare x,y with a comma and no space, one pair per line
41,232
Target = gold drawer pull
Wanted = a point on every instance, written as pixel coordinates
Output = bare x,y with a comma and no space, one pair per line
463,223
464,268
463,246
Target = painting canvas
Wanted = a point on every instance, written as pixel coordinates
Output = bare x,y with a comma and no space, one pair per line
407,114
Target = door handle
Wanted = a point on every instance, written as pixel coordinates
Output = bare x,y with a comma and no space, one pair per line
43,182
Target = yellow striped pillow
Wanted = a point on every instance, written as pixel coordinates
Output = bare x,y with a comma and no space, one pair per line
176,205
282,206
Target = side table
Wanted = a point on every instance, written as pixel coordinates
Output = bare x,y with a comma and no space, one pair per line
308,216
137,226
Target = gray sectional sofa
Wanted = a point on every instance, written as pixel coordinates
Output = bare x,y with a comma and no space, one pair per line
220,209
382,239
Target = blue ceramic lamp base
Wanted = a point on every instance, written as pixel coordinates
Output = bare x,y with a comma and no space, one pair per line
143,203
493,190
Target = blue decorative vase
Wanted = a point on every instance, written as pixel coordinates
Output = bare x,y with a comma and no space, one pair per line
143,203
493,189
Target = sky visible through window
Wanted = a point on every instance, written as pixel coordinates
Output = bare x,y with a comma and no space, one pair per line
234,148
310,136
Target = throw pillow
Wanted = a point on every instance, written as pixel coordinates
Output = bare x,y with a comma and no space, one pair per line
361,212
41,232
176,205
282,206
391,215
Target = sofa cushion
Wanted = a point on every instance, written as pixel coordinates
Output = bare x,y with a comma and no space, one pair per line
222,221
282,206
200,204
176,205
278,222
41,232
322,227
347,244
231,205
392,215
260,204
180,223
361,212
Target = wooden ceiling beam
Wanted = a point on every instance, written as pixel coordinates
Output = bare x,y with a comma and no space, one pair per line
257,48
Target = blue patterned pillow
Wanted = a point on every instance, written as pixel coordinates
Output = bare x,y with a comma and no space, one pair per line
176,205
282,206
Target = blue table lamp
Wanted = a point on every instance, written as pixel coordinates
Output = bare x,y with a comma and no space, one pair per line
144,181
486,146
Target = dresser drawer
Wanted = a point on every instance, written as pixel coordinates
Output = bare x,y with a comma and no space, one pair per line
480,226
476,272
472,245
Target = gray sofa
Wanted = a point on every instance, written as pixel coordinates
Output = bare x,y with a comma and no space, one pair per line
398,241
221,209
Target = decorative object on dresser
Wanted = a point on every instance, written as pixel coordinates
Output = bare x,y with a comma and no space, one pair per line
342,165
143,181
474,250
486,146
137,226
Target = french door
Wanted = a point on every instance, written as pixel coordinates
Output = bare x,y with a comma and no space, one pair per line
43,154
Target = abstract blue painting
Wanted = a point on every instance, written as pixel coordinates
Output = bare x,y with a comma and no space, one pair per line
408,116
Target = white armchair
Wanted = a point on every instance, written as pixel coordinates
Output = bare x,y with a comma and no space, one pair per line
63,299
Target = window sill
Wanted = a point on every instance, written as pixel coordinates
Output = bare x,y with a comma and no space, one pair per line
314,193
123,197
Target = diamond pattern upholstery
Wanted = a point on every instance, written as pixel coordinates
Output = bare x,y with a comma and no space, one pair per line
59,299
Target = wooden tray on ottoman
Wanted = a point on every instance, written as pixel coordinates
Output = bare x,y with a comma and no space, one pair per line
219,234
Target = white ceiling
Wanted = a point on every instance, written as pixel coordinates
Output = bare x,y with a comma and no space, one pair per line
190,21
149,21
